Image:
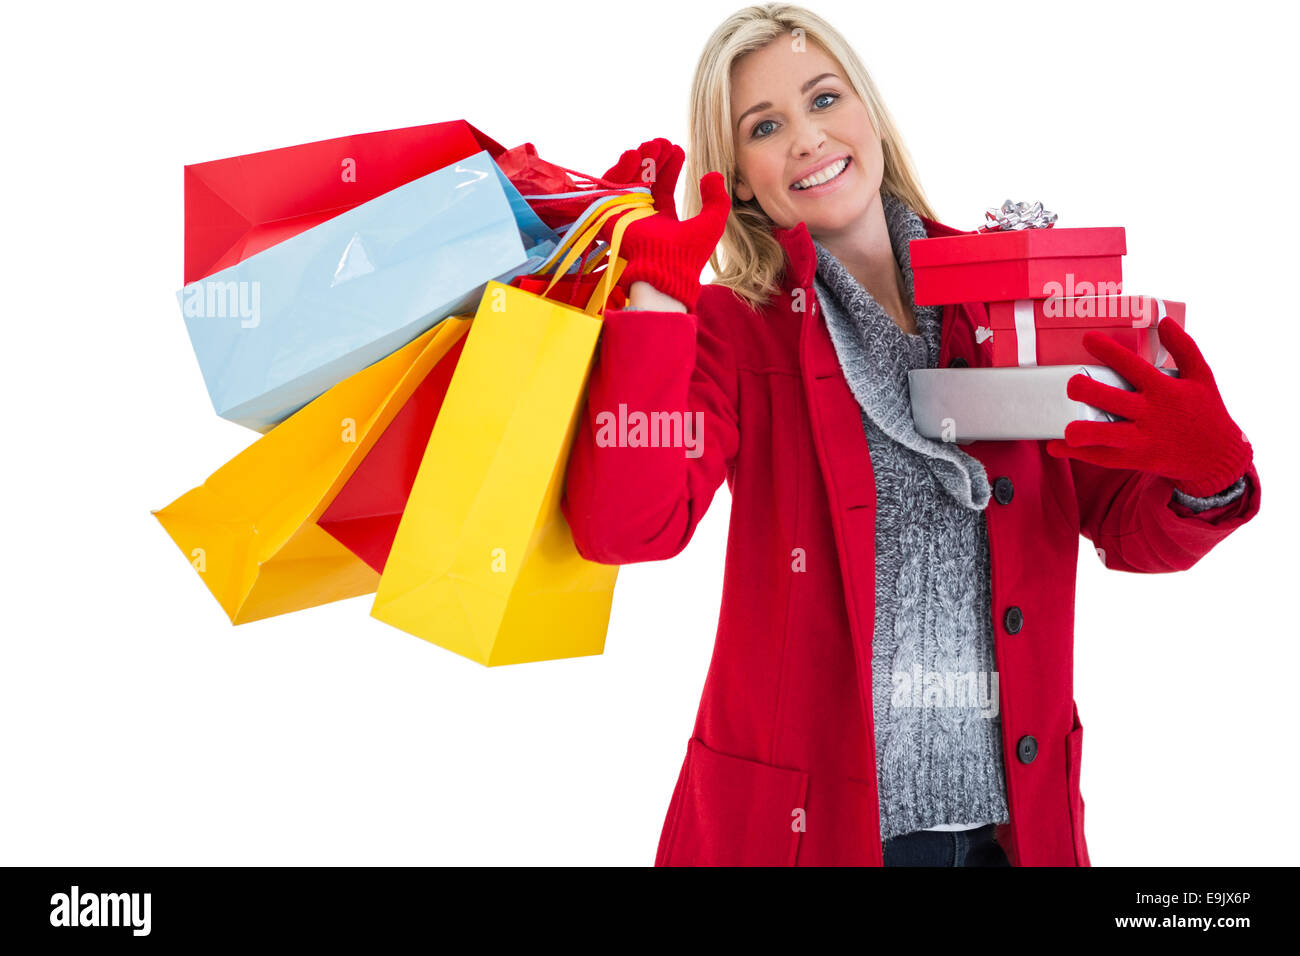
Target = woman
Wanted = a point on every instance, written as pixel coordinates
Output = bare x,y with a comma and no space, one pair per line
870,571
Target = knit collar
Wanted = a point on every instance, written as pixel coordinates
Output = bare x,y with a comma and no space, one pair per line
903,225
876,355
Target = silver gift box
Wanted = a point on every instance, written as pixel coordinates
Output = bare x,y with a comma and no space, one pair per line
1001,404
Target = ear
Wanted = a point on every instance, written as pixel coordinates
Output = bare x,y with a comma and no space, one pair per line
743,192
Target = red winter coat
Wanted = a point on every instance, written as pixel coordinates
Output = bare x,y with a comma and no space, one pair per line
781,768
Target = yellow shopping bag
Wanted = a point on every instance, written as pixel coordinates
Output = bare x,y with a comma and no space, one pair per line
483,563
250,530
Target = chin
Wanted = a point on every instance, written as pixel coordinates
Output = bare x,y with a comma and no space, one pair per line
847,211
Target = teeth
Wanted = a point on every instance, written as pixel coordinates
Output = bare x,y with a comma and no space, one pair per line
827,174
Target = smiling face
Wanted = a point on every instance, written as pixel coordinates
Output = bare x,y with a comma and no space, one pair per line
794,116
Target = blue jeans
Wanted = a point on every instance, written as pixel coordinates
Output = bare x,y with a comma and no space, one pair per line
946,848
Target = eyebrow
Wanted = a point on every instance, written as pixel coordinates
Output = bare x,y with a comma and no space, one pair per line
757,107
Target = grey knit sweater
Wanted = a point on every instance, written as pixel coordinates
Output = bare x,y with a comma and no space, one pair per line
934,688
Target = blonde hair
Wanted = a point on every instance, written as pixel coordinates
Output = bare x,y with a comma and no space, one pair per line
749,260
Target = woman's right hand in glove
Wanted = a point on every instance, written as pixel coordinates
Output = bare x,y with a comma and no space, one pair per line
660,250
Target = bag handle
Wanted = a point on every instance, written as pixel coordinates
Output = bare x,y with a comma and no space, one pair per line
585,186
581,234
600,298
576,240
627,209
598,186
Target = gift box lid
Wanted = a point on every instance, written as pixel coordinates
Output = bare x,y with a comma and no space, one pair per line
1017,244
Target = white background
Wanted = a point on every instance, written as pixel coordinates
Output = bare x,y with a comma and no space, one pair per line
139,727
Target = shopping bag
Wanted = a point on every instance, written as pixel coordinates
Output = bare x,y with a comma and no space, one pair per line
276,330
239,206
250,530
483,563
365,514
558,195
576,289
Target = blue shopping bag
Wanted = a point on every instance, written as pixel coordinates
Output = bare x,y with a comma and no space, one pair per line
282,327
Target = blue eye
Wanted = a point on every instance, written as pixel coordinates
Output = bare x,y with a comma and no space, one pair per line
755,134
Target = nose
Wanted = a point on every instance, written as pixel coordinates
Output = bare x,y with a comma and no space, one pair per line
808,137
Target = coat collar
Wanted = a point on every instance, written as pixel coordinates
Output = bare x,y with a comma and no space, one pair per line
801,255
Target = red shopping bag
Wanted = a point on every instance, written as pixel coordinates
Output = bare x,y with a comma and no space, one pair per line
363,517
239,206
536,180
365,514
572,290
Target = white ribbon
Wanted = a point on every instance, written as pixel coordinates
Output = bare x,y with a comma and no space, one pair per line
1026,333
1161,352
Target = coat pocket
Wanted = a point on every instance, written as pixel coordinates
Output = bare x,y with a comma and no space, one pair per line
1073,758
732,811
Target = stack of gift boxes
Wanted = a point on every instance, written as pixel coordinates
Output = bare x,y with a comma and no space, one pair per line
1043,289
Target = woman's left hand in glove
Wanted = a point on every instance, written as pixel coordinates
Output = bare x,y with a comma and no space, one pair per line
1176,427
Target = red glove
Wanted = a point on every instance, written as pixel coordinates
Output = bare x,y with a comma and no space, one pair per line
670,254
1177,427
660,173
660,249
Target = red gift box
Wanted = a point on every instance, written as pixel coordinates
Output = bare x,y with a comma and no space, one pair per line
1050,331
1017,264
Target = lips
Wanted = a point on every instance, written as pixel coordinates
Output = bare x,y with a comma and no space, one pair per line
829,164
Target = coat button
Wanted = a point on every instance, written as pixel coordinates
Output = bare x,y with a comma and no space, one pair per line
1027,749
958,362
1003,489
1013,619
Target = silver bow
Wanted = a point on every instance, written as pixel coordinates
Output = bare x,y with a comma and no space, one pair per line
1018,215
